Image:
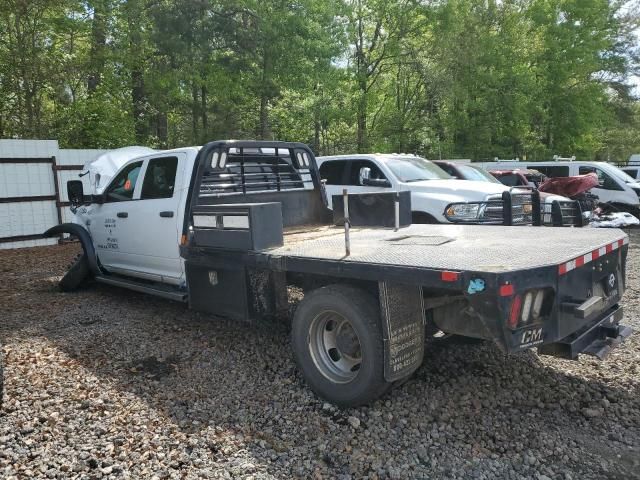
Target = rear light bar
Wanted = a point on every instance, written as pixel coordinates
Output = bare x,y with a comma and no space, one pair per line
529,307
591,256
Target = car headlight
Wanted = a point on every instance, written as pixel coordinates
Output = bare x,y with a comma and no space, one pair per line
462,212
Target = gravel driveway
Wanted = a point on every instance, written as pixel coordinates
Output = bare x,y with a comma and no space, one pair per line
106,383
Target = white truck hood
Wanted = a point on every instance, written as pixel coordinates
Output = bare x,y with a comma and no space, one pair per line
102,168
466,190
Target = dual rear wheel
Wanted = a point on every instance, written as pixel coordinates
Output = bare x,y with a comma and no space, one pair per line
337,343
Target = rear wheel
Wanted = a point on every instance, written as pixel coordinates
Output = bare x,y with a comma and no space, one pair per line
337,342
77,274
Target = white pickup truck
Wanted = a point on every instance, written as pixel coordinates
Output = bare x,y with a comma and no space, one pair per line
435,196
229,226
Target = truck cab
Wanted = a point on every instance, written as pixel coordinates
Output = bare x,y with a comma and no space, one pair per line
135,222
432,189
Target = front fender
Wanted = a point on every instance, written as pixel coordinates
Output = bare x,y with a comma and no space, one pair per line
84,237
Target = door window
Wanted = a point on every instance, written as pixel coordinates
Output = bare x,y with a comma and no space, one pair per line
606,182
160,178
354,173
122,187
333,172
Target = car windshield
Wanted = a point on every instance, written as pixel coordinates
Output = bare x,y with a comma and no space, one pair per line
622,175
415,169
474,173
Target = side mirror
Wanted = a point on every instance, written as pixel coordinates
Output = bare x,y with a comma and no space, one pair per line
75,192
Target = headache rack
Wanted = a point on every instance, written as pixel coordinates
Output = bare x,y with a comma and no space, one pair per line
518,207
240,169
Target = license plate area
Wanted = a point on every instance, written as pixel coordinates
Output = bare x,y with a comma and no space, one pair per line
603,278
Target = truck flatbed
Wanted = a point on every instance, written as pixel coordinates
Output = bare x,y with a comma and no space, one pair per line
491,249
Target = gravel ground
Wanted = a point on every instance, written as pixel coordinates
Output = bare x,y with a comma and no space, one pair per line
106,383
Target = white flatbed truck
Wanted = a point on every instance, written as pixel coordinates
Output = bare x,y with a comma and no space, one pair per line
230,226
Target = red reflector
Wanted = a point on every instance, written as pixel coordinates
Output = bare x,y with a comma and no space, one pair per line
449,276
579,261
506,290
562,269
609,248
595,254
514,313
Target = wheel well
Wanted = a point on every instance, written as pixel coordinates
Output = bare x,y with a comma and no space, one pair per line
422,217
308,282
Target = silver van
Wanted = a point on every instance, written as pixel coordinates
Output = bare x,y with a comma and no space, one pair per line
616,187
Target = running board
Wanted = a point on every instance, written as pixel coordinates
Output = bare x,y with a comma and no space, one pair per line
157,290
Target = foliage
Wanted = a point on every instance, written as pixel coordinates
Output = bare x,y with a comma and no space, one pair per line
457,78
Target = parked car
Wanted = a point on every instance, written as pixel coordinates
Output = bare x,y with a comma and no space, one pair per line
432,189
615,187
519,177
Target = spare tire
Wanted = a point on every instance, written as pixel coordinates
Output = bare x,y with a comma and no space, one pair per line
77,274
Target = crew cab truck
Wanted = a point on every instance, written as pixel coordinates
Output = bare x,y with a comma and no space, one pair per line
229,227
436,196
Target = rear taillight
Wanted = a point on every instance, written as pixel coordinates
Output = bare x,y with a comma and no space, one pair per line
536,311
526,307
529,307
514,313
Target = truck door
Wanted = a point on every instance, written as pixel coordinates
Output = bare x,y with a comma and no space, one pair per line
155,245
111,226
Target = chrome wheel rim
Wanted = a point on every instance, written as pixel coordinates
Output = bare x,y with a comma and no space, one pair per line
335,347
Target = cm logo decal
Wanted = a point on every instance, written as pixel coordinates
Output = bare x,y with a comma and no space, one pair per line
531,337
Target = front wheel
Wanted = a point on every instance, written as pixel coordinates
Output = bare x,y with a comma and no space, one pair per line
337,343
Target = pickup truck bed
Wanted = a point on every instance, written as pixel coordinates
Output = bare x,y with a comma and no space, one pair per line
491,249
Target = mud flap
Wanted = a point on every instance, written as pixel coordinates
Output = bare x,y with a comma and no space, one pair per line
403,326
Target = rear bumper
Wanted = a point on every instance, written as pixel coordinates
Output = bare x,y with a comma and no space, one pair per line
597,338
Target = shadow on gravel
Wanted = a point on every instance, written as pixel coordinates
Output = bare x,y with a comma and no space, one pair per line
200,371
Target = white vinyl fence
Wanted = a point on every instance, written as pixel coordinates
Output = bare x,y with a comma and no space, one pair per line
33,189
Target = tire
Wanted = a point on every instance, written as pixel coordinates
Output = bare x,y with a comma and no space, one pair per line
332,315
77,274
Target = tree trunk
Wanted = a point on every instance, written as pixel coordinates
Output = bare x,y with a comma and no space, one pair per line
194,113
162,129
139,104
362,143
138,94
203,110
98,44
316,136
264,97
